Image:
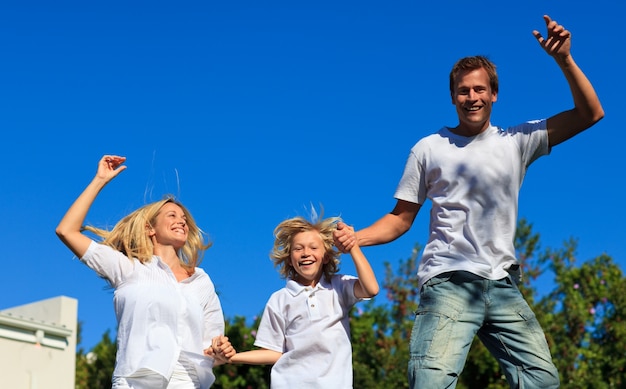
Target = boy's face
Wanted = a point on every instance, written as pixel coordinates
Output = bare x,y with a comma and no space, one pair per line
473,99
308,257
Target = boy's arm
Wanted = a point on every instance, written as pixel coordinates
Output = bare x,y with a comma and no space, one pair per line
587,108
256,357
367,285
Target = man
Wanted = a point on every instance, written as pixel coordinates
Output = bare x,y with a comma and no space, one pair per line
472,174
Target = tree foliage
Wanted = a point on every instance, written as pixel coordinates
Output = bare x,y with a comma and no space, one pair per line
380,331
583,316
242,376
95,368
584,319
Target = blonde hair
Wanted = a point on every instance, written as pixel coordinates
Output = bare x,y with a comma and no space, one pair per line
284,234
130,235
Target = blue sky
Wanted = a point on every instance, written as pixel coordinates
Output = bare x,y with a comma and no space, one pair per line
252,111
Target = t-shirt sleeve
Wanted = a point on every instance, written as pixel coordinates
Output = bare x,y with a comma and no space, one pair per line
412,185
532,138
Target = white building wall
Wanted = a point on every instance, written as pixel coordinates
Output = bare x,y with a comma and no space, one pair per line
38,345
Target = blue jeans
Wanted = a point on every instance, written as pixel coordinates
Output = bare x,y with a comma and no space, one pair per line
456,306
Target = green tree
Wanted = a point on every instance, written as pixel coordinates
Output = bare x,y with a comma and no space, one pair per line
81,373
584,319
242,336
95,368
380,331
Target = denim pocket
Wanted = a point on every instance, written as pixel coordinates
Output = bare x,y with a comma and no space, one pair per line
436,315
438,279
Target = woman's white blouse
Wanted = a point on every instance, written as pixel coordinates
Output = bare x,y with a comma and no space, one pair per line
159,319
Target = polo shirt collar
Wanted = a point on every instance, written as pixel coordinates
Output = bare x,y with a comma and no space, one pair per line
296,288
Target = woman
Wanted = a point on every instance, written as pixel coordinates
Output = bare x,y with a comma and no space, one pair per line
170,321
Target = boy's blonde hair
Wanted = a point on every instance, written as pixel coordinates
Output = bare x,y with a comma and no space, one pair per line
284,233
130,235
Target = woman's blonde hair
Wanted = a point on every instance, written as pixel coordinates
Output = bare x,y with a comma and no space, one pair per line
130,235
284,234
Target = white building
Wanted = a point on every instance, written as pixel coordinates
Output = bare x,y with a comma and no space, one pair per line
38,345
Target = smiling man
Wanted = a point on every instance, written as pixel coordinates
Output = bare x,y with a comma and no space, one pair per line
472,173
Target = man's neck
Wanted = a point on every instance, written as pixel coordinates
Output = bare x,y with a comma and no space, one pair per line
469,131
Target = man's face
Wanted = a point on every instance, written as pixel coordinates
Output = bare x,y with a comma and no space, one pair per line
473,99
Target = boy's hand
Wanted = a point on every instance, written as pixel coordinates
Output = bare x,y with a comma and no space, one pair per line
221,350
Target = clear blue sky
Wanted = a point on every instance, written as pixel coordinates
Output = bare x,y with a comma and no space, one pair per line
252,111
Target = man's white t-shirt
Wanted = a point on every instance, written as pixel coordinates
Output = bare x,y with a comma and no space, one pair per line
473,184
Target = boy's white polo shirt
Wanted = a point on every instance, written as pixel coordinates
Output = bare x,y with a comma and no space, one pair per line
310,326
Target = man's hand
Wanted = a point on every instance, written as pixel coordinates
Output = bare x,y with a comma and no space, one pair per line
344,237
558,41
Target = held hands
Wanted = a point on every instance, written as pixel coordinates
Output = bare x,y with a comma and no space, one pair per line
558,42
344,237
110,166
221,350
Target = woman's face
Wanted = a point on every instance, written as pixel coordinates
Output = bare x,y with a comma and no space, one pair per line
170,226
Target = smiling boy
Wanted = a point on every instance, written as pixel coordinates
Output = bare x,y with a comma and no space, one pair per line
304,330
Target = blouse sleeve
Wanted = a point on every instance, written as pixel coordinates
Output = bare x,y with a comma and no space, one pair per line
213,314
108,263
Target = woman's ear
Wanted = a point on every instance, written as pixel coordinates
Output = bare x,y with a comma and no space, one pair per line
149,230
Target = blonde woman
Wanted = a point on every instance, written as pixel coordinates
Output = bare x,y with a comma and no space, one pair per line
170,321
305,330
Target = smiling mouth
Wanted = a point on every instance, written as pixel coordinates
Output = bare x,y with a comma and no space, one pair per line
305,263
